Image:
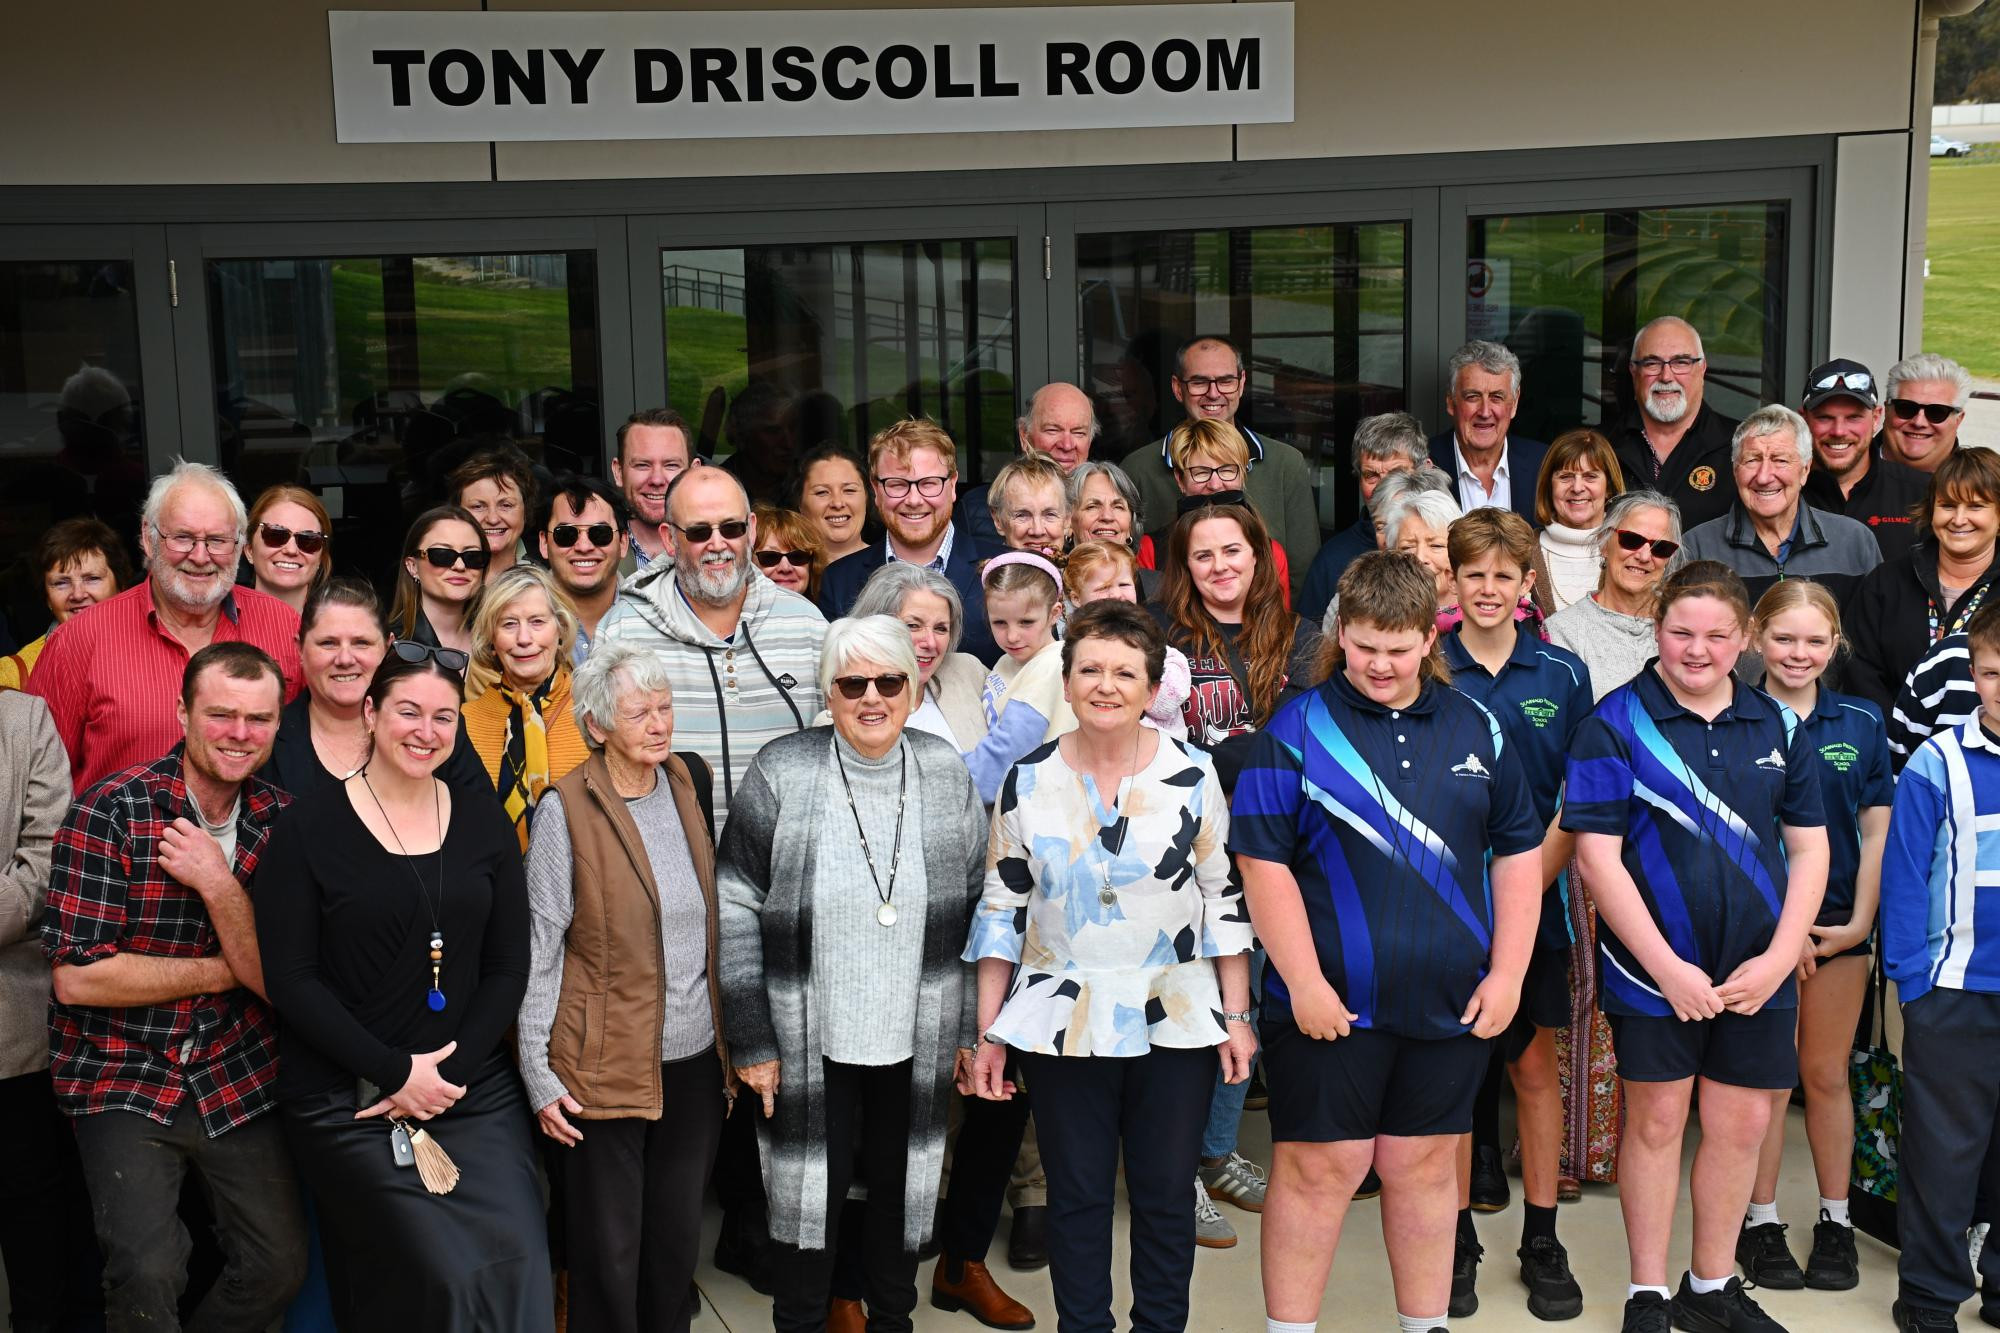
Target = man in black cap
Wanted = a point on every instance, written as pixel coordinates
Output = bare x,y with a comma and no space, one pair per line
1850,475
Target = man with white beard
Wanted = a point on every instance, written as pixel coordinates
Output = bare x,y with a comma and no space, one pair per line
1672,442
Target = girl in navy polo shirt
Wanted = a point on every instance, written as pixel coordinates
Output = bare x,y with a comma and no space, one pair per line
1797,627
1696,808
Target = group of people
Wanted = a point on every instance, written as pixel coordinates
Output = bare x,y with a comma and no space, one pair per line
901,857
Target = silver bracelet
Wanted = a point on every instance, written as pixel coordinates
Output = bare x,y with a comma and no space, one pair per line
1243,1017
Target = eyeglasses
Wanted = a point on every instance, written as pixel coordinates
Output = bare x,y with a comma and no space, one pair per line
309,541
698,533
1201,476
565,534
444,557
1858,380
1935,413
796,559
1201,384
1632,541
898,487
409,650
888,686
183,543
1653,365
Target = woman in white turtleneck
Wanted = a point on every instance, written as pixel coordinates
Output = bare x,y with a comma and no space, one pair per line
1579,474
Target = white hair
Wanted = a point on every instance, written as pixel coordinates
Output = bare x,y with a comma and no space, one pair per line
613,669
184,473
1403,484
1931,366
888,587
1772,419
1436,509
882,639
1491,357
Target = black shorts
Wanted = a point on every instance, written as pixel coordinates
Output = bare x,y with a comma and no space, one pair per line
1761,1051
1369,1083
1544,1001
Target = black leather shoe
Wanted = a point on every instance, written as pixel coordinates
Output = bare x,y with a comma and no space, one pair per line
749,1259
1489,1181
1028,1240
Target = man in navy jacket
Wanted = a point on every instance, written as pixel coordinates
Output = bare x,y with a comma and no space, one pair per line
1485,464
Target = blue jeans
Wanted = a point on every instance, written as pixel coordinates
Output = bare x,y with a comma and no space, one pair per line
1225,1104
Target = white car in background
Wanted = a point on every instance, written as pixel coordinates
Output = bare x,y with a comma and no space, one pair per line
1943,147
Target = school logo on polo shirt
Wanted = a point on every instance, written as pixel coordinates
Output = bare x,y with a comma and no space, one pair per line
1775,759
1840,755
1472,768
1540,711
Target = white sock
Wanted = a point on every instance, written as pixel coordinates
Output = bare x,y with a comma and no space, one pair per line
1835,1210
1762,1213
1704,1285
1280,1326
1409,1323
1635,1288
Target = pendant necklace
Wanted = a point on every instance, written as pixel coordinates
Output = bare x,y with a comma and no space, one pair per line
1107,895
435,998
885,913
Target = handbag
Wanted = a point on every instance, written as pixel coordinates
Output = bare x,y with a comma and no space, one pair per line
1875,1077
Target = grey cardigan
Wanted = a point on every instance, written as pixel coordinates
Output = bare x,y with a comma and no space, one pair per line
34,797
764,876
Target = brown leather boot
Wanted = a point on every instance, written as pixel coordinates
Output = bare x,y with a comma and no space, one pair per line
974,1291
846,1316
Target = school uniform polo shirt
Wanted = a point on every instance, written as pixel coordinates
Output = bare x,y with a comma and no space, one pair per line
1541,696
1386,817
1699,805
1851,749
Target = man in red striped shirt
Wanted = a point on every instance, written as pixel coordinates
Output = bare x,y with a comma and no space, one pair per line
112,678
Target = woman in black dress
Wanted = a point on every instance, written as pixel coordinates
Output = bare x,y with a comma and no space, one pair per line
394,928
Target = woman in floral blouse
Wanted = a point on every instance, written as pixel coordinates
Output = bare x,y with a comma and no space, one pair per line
1114,967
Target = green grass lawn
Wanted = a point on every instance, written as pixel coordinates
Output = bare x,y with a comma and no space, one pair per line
1962,297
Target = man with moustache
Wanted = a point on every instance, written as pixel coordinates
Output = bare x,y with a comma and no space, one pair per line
1487,465
1851,475
913,471
1060,422
162,1050
654,447
111,675
1673,442
583,540
1927,395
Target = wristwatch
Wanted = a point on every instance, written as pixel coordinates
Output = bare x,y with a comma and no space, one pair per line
1243,1017
992,1040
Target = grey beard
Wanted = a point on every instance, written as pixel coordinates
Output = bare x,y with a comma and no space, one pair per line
701,585
1654,407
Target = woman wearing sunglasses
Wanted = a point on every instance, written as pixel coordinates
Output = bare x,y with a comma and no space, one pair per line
847,875
789,552
287,552
444,566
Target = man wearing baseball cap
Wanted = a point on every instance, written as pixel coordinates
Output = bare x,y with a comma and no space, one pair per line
1850,475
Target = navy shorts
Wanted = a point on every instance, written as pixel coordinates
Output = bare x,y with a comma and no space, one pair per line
1369,1083
1761,1051
1544,1001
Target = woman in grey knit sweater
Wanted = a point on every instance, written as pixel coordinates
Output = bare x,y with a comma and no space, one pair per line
847,875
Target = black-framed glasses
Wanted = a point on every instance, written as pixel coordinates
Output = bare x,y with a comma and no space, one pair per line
888,685
444,557
1860,381
1226,473
796,559
1935,413
898,487
565,534
1680,365
731,529
310,542
1200,384
451,659
1662,548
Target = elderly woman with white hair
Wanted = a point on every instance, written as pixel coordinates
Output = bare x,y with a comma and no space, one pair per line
847,873
619,1036
1419,524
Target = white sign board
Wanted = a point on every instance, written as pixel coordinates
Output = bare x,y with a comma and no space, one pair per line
424,77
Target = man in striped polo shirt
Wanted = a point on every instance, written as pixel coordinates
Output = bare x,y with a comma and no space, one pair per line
1941,948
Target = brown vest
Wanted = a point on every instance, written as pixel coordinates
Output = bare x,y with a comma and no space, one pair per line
605,1041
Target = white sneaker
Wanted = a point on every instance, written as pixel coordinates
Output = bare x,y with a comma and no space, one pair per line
1975,1241
1211,1228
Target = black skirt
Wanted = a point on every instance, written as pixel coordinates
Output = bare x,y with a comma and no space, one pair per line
475,1260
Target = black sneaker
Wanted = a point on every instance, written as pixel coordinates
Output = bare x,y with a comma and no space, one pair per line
1370,1188
1916,1319
1766,1259
1465,1258
1648,1312
1727,1311
1258,1096
1489,1181
1552,1289
1832,1265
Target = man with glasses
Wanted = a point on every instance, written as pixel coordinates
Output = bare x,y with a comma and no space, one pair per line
913,471
1851,474
111,675
584,539
1487,464
1060,422
1927,395
1209,382
1671,441
654,447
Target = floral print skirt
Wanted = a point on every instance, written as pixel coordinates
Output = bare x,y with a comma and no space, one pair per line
1593,1107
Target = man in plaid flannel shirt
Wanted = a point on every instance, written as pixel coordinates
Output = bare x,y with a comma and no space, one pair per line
161,1046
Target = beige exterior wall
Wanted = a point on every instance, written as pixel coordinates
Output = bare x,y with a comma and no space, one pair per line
227,91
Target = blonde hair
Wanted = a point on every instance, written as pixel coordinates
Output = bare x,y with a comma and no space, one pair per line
500,592
1204,437
898,439
1791,594
1030,469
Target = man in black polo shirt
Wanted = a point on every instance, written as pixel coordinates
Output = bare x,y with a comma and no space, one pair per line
1673,442
1850,475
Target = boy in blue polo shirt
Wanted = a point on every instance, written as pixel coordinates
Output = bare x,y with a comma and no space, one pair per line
1540,693
1362,824
1696,807
1941,946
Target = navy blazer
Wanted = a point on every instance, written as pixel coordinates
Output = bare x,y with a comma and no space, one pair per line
840,586
1524,469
